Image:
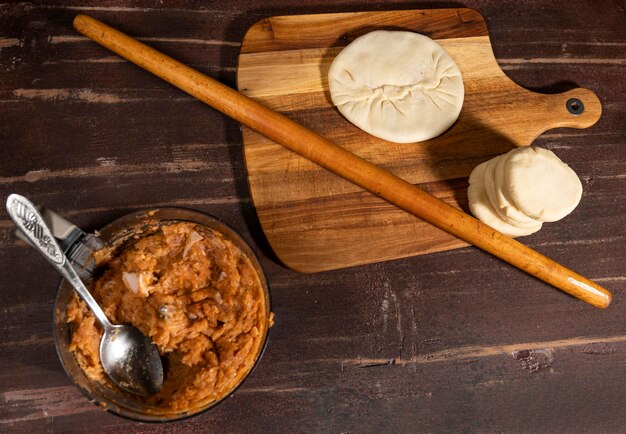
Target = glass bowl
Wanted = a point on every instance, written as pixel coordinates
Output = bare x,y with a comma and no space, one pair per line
117,234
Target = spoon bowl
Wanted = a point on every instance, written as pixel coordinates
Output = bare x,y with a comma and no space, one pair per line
132,359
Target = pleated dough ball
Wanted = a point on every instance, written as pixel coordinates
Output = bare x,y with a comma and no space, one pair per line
398,86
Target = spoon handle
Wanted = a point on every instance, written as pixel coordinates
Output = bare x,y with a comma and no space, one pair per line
30,222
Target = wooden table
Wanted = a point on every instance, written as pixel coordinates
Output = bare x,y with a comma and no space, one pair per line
456,341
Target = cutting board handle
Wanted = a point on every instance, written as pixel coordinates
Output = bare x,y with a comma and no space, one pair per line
577,108
527,114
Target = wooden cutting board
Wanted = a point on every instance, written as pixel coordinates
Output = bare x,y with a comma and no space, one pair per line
315,220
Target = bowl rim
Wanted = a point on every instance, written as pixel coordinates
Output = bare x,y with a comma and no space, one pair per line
115,408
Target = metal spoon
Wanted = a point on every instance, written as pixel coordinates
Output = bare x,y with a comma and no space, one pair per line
128,357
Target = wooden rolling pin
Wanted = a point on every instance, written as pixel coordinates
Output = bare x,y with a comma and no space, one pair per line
327,154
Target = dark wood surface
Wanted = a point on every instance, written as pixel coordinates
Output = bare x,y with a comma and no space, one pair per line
454,341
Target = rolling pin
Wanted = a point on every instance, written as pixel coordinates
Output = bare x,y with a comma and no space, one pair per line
327,154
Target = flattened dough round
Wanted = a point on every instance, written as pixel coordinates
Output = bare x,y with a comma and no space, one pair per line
541,185
503,198
492,188
481,207
398,86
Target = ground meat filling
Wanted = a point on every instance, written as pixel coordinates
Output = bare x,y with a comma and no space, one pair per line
200,300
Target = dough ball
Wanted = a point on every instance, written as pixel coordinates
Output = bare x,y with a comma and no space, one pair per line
540,184
398,86
483,210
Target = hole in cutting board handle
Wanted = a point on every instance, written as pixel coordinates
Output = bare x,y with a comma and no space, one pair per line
575,106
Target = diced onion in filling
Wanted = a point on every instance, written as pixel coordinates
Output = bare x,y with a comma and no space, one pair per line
131,281
194,237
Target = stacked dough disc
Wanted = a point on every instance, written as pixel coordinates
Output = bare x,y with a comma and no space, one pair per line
516,192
